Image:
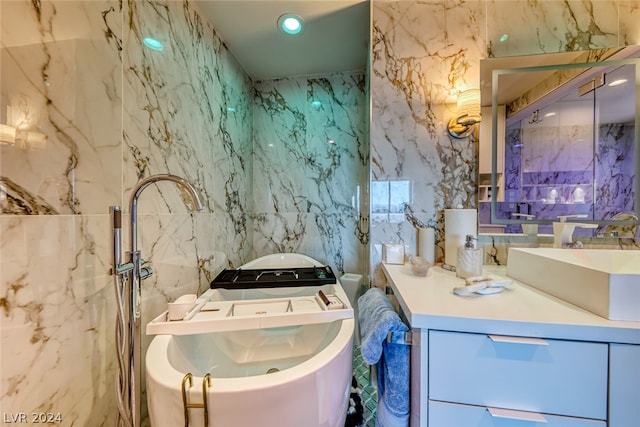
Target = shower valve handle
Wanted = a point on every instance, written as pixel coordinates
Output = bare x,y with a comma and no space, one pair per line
145,272
145,269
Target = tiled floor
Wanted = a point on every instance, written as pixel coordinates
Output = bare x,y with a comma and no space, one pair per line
369,394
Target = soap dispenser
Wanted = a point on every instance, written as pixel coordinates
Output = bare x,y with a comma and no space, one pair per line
469,259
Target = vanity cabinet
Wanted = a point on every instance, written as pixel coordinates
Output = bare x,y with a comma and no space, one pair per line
442,414
520,358
624,385
498,378
523,374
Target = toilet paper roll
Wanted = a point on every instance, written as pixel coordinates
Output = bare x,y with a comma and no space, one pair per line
457,224
427,244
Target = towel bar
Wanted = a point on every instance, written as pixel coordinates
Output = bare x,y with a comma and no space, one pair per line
405,338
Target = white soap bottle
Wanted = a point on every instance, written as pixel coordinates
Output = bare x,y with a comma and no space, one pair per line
469,259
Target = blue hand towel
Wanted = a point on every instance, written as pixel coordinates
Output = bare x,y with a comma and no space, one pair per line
377,318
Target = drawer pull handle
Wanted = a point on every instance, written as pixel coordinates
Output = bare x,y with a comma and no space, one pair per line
518,340
517,415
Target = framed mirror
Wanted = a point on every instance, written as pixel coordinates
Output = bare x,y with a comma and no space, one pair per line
564,140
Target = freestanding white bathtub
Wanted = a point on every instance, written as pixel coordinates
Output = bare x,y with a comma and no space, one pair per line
293,376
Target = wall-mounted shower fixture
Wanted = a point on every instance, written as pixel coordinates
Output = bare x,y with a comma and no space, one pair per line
128,277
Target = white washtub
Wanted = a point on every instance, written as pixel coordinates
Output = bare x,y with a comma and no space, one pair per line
603,281
310,388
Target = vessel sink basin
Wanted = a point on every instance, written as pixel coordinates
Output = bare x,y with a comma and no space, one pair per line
603,281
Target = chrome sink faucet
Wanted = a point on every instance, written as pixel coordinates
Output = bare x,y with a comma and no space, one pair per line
627,229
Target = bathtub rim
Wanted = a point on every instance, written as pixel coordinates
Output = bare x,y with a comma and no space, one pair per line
160,370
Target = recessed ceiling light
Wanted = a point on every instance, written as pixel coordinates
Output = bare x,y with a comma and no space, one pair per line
290,24
503,38
152,43
617,82
550,114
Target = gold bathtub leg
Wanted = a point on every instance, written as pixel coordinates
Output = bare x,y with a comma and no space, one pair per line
185,405
206,383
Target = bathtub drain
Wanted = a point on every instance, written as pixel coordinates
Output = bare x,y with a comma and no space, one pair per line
272,370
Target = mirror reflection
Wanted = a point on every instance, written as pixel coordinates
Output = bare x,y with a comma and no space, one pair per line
565,145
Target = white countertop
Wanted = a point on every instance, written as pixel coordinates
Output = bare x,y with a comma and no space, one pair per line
429,302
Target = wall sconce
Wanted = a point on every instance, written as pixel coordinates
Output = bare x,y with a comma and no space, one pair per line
21,129
10,135
7,134
468,114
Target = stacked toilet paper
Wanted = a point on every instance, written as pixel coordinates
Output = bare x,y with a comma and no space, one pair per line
457,224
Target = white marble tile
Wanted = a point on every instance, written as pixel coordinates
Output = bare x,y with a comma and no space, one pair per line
334,239
57,317
62,84
310,168
422,58
326,141
186,112
629,17
563,148
550,26
176,108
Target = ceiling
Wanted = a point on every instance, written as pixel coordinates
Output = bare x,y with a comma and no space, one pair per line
335,36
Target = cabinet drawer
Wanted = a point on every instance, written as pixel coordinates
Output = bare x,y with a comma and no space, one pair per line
545,376
624,385
442,414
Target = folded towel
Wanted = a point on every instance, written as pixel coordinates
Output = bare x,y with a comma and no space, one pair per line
384,418
393,386
377,318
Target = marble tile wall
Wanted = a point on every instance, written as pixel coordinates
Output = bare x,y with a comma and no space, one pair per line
426,52
61,76
615,169
532,174
187,111
311,157
114,112
421,57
